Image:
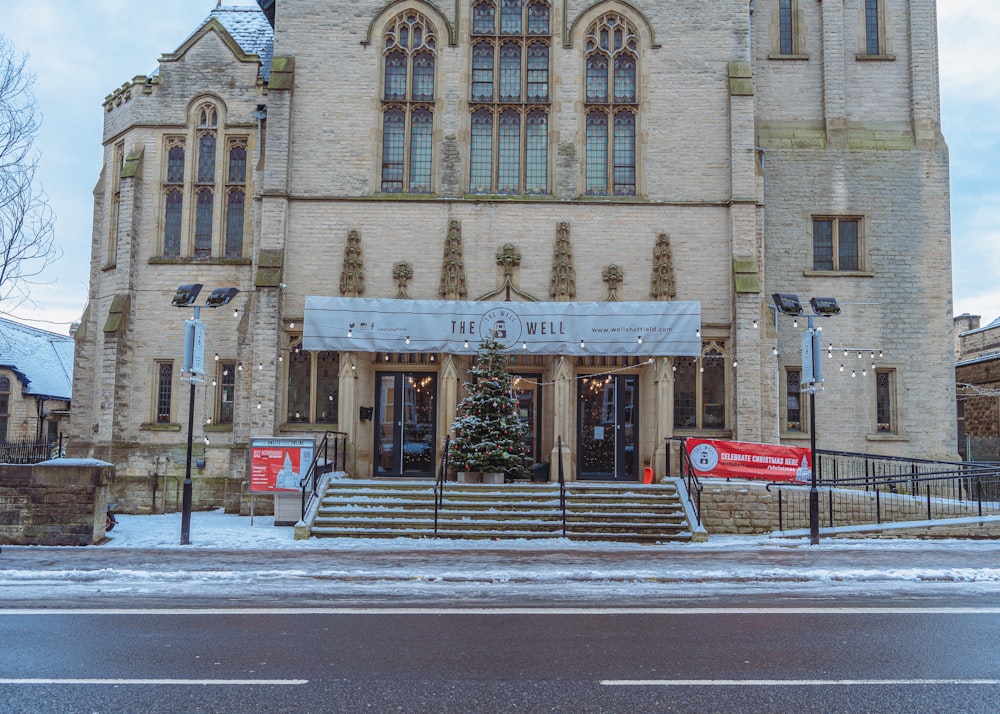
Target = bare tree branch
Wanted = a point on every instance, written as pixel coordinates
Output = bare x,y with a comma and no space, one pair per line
27,225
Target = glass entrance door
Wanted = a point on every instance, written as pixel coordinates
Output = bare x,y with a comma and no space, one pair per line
529,404
607,423
404,424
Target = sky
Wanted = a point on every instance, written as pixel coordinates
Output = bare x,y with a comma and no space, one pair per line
81,50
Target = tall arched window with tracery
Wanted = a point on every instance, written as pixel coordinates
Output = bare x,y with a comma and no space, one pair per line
205,188
611,105
409,59
509,97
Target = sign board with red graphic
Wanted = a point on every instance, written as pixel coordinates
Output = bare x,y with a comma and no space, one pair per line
743,459
278,464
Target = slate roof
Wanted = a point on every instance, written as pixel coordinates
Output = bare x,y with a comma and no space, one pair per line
43,361
250,28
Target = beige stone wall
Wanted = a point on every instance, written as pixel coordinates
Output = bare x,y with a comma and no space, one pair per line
722,175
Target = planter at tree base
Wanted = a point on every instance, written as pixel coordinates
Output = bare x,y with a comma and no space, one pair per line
480,477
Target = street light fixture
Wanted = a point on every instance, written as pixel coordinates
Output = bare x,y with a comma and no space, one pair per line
194,365
811,381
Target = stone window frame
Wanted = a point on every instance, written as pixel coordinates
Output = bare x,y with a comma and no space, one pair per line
408,105
163,392
206,120
874,39
787,19
892,407
787,386
300,420
612,109
117,164
528,172
225,379
714,348
5,394
862,269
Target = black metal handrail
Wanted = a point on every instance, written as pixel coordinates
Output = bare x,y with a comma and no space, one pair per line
692,483
895,498
319,466
562,484
439,484
845,468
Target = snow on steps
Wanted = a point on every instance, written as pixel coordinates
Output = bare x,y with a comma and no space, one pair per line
393,509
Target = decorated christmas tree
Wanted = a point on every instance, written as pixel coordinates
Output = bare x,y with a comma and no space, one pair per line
489,434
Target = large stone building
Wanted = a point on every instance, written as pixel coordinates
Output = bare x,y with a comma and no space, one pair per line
596,160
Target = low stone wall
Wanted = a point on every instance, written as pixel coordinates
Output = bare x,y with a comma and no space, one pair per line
749,508
58,502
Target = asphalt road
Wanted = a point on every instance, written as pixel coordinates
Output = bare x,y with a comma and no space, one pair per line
501,659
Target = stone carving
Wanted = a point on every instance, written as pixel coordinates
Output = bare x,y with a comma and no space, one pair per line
563,283
352,276
453,267
613,275
402,273
663,286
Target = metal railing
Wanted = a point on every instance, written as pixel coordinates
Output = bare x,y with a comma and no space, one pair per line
442,474
562,484
692,484
322,463
26,451
862,489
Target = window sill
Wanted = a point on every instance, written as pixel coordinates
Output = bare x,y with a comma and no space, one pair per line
109,266
301,426
787,57
793,435
875,58
886,437
151,426
218,427
162,260
838,274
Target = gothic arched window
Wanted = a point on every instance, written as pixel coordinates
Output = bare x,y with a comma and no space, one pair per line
509,98
409,59
611,106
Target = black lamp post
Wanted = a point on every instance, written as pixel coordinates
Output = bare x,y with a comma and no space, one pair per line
194,365
811,382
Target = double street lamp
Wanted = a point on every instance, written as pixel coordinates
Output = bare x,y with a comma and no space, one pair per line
811,381
194,366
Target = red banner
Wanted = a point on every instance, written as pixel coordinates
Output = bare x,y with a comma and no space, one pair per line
742,459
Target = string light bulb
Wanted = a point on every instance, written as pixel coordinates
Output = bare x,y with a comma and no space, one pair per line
755,325
407,339
583,345
350,333
640,339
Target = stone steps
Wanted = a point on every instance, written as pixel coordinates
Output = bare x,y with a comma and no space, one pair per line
393,509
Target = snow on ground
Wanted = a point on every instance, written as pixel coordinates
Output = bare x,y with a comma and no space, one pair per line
231,556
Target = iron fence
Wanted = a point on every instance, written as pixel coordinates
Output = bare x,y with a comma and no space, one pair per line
31,452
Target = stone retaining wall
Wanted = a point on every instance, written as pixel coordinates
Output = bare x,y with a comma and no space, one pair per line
59,502
748,508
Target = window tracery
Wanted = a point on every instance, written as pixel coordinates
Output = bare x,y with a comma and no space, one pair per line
410,56
509,97
611,106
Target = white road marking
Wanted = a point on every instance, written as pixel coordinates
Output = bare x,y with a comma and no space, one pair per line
223,682
510,611
786,682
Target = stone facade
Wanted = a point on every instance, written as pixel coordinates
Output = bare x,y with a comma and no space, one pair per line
977,373
61,502
739,146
